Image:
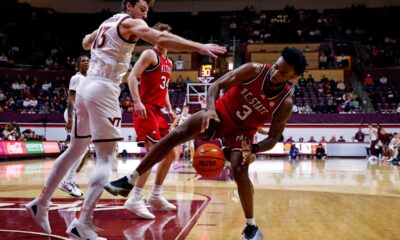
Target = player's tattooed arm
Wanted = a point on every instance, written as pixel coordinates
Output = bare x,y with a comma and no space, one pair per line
277,126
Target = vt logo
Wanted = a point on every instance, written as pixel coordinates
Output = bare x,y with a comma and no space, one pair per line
115,121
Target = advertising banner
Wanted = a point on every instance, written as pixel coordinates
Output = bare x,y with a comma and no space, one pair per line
2,152
34,147
51,147
14,147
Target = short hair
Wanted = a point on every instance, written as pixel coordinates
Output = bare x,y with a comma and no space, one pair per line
162,27
295,58
133,2
78,61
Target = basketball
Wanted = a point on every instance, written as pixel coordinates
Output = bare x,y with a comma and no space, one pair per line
208,160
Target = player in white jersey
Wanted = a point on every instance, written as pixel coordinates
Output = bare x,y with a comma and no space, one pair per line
68,185
189,145
98,115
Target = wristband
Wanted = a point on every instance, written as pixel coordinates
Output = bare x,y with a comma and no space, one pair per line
254,148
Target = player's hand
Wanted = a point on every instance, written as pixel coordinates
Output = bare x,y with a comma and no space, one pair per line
171,115
248,157
140,109
210,114
212,50
68,126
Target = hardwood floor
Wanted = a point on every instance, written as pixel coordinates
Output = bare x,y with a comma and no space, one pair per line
307,199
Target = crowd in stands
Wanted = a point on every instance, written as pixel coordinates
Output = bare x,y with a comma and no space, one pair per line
324,96
383,92
51,46
31,95
12,132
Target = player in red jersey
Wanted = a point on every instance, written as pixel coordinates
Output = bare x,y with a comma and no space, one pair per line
154,70
255,93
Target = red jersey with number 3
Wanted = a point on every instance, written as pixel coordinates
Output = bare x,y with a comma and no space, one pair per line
154,82
246,104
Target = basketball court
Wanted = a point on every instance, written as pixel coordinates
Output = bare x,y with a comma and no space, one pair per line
305,199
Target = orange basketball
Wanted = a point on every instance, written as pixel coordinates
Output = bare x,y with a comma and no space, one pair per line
208,160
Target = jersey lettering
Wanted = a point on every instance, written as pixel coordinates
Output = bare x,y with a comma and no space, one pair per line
242,115
164,83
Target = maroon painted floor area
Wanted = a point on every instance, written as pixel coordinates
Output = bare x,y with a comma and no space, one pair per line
116,222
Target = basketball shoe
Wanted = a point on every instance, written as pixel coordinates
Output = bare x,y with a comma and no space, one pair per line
70,188
251,232
40,214
159,202
138,207
83,231
119,187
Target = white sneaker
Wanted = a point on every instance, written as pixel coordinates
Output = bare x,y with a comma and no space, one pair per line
161,203
80,231
71,189
39,213
139,208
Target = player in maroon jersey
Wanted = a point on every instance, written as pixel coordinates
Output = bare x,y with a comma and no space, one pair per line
154,70
255,94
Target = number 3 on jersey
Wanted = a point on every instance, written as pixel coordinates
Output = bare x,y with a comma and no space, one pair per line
246,111
165,82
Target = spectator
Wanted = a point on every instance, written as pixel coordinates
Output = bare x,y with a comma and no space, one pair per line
320,152
333,139
383,80
368,82
289,140
310,80
341,139
373,136
341,86
46,87
323,140
398,108
312,140
3,60
301,139
359,135
294,152
323,61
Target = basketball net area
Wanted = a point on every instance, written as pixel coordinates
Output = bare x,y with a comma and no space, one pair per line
196,93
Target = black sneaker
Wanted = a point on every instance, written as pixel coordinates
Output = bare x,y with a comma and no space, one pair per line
119,187
251,232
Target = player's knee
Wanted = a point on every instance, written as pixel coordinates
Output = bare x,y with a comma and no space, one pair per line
240,174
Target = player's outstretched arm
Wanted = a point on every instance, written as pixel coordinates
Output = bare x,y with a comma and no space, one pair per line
277,126
146,59
139,28
88,40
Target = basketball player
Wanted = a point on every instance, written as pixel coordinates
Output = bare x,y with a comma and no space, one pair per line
154,70
179,121
255,93
69,184
98,115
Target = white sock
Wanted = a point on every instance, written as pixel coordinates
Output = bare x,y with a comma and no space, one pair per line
105,157
137,193
250,221
132,178
61,167
157,190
